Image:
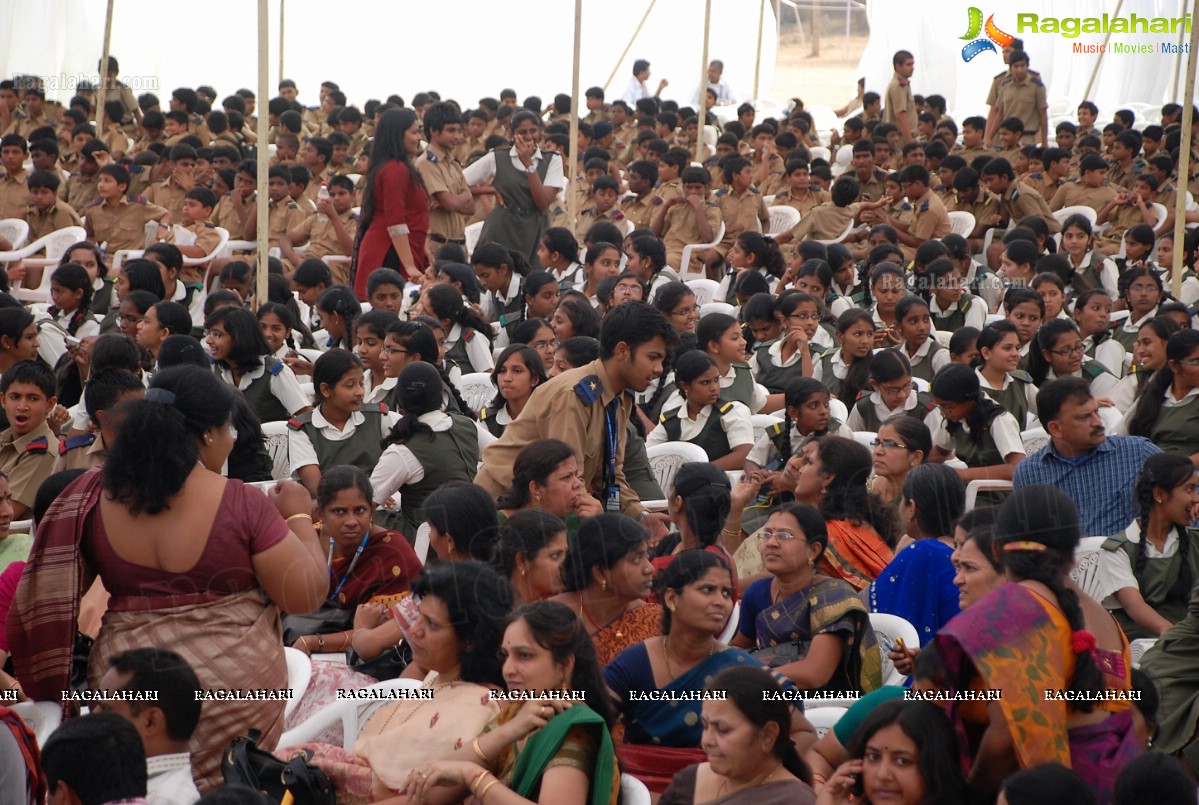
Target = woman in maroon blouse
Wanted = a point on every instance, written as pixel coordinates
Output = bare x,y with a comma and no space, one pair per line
395,206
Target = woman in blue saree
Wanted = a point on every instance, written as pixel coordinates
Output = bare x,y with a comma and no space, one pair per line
650,681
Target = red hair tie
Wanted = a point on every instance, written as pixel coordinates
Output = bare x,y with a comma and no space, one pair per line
1082,640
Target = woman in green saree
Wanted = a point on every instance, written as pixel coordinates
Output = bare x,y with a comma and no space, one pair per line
553,751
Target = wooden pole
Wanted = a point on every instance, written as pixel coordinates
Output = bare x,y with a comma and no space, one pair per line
627,47
758,60
102,90
572,172
264,166
1086,95
1184,155
1182,32
703,87
282,3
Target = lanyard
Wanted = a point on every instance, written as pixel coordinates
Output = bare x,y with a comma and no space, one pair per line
613,442
350,569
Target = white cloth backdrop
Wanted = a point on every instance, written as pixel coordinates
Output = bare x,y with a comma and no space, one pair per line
465,49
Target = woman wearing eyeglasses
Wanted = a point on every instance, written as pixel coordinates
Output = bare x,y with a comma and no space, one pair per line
901,444
810,628
1167,412
1059,351
1142,291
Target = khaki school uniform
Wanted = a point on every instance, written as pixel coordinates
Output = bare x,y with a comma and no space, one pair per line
468,146
1072,194
116,140
971,154
591,216
1020,201
169,194
80,191
744,212
899,99
1043,183
207,238
14,194
283,217
1025,100
776,177
27,461
803,204
640,211
322,240
825,222
876,187
58,215
1122,177
442,173
681,230
930,220
122,226
668,190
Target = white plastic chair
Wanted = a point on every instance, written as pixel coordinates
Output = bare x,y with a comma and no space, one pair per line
309,390
471,235
55,245
730,628
823,718
665,460
782,219
1159,212
887,628
865,438
633,791
838,411
717,307
841,237
299,674
41,717
760,422
974,487
820,152
1034,440
20,527
216,252
1085,572
1076,209
421,546
1137,649
275,434
476,389
16,231
961,222
310,355
352,714
704,290
685,260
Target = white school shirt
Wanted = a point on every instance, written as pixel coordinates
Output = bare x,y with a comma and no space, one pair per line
484,169
939,361
398,467
377,392
976,316
764,451
856,423
757,399
478,349
736,425
1110,353
493,302
284,385
300,450
1109,275
196,307
1004,431
1030,393
1115,569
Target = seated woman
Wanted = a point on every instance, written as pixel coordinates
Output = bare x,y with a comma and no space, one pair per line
700,506
897,735
191,559
608,576
530,552
861,529
557,753
1040,627
918,583
751,757
518,371
661,736
462,522
455,640
722,428
426,449
1153,567
546,476
811,629
901,444
243,360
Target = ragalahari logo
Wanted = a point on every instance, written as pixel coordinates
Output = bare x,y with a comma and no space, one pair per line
981,45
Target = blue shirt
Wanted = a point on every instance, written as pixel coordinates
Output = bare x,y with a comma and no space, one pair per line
1100,484
918,586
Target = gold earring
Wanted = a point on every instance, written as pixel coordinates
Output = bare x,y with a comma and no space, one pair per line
208,440
522,572
604,585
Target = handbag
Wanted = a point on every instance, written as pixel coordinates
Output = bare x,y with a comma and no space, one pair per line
243,763
782,654
388,665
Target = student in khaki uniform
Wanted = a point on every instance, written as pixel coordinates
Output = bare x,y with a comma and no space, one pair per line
47,214
152,131
972,147
1125,167
670,172
198,206
113,135
929,217
899,107
174,128
105,390
741,208
1125,210
1010,132
1022,95
1055,170
830,219
769,171
871,182
170,192
689,219
28,446
120,221
641,203
601,206
800,194
1090,189
284,214
969,196
334,235
450,197
35,110
595,105
14,191
302,189
473,138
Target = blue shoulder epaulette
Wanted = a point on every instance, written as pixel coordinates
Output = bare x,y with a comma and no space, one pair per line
38,446
589,389
276,369
1021,375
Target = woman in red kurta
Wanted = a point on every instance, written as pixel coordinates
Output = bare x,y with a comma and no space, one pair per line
395,206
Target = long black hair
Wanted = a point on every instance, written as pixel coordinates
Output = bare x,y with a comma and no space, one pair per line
478,601
705,491
850,464
1166,471
1149,404
387,146
1044,341
533,464
957,382
936,743
249,344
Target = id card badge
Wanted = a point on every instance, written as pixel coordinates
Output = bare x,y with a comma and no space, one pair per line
612,501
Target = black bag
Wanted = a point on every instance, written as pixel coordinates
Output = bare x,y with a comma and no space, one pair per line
388,665
245,764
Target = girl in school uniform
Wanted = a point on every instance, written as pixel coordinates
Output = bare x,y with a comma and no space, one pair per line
815,277
806,417
467,334
501,275
1017,261
275,322
243,360
706,417
1059,352
71,297
1189,294
949,303
540,295
104,299
558,251
425,450
761,326
237,276
538,334
1138,246
372,332
385,290
462,277
1091,269
845,370
677,303
887,286
1092,314
793,354
575,316
645,255
891,394
975,429
518,371
1142,292
338,310
845,273
976,279
1167,410
602,260
999,375
1149,352
342,428
408,342
1052,290
140,275
753,251
719,336
1180,313
1025,309
914,325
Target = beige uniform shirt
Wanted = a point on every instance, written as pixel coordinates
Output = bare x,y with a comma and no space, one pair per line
1020,201
122,226
591,216
1025,100
321,236
168,193
825,222
27,461
116,140
929,220
441,173
81,191
1072,194
640,211
284,217
876,187
14,194
681,230
899,99
60,215
805,204
207,238
741,213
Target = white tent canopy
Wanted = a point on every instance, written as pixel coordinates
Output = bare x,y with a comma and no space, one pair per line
465,49
933,37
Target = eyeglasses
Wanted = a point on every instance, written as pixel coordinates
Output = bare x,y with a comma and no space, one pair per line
394,351
804,316
128,318
782,536
1144,288
686,311
895,390
1077,349
540,345
215,334
1190,363
890,444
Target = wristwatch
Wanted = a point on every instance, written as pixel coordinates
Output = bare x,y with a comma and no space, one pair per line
530,169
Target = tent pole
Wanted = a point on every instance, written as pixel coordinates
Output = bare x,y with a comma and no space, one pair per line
102,91
1182,32
573,148
758,60
629,46
264,44
703,87
1086,96
282,3
1184,155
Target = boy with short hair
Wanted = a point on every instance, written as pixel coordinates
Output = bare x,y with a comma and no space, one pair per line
742,208
82,187
1022,95
104,392
1091,189
800,194
973,131
1087,114
595,105
601,207
1126,166
670,171
768,168
174,127
287,146
14,188
197,210
302,189
46,213
284,214
640,204
474,135
687,219
349,122
831,218
119,221
1067,135
1011,130
334,235
1128,209
28,446
153,131
930,220
340,162
451,199
113,134
1054,172
171,191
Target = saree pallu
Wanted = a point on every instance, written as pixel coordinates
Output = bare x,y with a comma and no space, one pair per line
232,642
855,553
634,626
828,606
574,737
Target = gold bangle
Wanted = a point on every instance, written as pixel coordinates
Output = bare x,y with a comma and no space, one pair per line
304,643
479,752
730,532
349,639
320,642
486,788
307,517
474,781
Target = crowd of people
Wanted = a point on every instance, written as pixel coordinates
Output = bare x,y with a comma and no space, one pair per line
664,628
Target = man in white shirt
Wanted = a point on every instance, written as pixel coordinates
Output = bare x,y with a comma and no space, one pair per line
165,724
716,83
